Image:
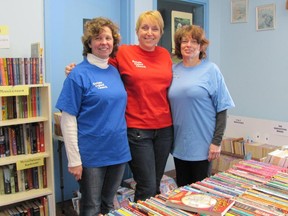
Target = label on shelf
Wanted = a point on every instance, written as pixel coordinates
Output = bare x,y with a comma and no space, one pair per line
29,163
14,90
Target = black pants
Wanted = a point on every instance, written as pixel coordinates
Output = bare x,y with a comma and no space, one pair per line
188,172
150,150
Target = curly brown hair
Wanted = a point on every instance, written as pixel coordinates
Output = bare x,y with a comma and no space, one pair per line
195,32
93,28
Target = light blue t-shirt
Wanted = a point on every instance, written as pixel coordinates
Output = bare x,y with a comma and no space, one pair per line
97,98
196,95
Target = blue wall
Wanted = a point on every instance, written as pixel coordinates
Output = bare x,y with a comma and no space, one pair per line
63,31
253,63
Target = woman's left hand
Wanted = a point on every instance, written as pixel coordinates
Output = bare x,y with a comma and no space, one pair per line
214,152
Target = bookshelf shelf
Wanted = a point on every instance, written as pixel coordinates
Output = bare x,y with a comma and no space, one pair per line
27,125
10,122
15,158
9,199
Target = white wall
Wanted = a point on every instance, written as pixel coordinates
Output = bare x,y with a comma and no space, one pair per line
26,28
258,130
254,63
139,7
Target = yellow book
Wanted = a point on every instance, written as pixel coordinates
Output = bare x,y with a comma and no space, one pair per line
123,212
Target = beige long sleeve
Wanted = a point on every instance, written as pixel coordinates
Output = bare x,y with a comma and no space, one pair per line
69,131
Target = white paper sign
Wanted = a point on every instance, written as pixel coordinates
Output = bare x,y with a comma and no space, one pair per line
4,37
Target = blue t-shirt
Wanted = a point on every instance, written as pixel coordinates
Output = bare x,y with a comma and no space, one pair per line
196,95
97,98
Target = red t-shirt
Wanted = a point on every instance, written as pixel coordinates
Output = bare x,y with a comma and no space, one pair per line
146,77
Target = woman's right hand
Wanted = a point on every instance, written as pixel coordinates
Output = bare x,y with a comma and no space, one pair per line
76,172
68,68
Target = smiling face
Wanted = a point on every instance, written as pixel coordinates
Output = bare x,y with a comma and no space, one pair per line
102,45
148,34
190,42
190,48
149,29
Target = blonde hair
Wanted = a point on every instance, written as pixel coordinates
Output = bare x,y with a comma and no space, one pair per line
152,15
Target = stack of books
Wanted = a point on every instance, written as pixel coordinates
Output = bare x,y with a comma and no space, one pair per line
248,188
278,157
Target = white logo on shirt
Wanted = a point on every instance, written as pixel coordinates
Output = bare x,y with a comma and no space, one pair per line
138,64
100,85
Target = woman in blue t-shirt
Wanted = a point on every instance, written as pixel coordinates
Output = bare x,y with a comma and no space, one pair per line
93,103
199,101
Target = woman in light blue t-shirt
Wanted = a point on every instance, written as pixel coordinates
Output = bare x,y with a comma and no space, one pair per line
199,100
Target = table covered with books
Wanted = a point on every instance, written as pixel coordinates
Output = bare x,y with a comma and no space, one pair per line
248,188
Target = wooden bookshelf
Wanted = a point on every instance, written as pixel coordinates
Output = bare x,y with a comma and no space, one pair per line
28,158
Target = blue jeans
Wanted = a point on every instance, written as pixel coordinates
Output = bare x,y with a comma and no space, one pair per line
150,150
98,187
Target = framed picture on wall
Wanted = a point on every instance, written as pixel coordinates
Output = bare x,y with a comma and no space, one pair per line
265,17
84,21
179,19
239,10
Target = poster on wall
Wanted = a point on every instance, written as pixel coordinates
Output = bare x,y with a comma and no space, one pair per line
179,19
84,21
265,17
239,10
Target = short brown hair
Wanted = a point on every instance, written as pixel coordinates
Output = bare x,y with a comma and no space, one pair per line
93,28
195,32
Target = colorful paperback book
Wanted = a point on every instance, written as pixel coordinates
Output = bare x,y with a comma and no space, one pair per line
251,209
200,203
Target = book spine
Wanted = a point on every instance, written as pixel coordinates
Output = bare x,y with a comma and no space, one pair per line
2,190
7,180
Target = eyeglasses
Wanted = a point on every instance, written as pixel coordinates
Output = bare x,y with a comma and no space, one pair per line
192,42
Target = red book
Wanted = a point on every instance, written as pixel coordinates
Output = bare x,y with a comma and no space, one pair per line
29,178
41,137
134,211
12,141
33,102
37,128
9,62
200,203
33,71
44,202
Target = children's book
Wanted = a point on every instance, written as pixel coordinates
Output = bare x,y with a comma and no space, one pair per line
200,203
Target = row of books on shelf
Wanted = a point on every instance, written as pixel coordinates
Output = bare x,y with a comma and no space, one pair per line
21,71
13,107
278,157
241,147
224,162
35,207
22,139
248,188
14,181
